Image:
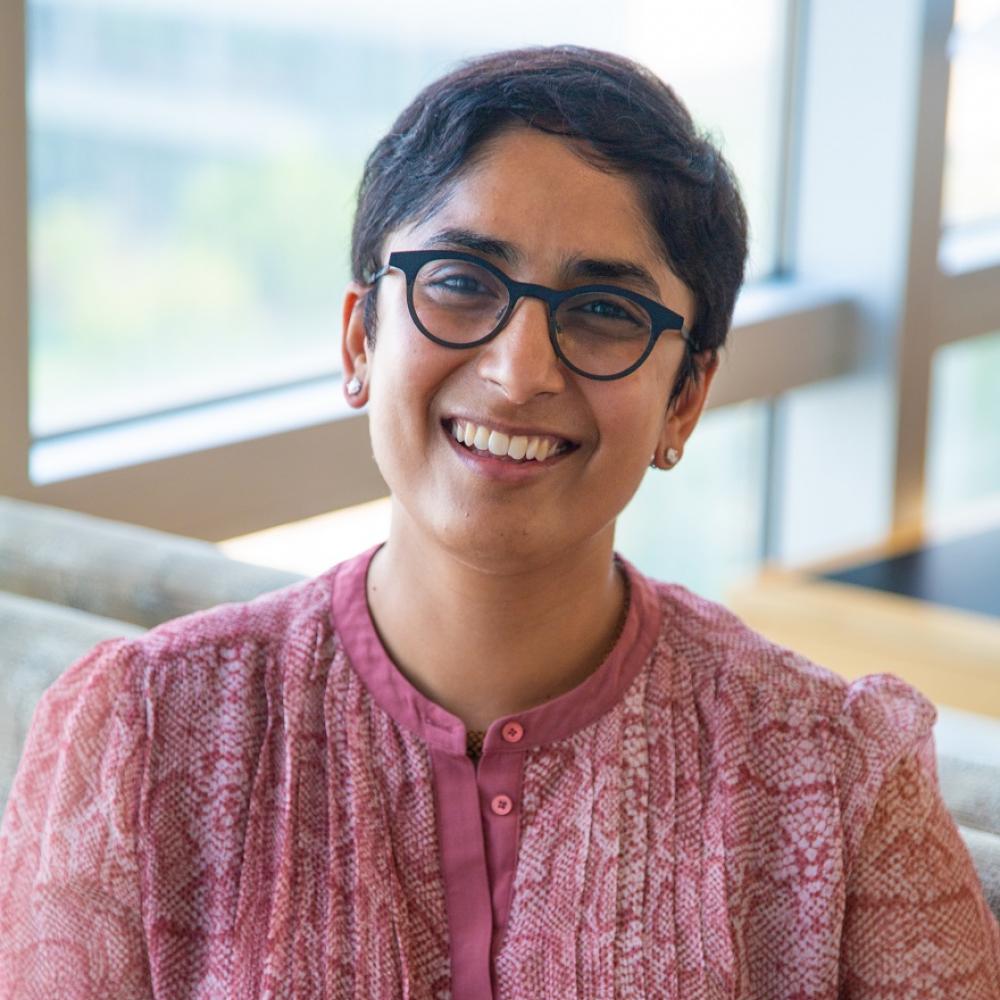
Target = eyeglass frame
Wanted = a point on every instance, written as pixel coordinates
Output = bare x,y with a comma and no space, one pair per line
409,262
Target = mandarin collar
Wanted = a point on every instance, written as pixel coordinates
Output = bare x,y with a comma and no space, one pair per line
556,719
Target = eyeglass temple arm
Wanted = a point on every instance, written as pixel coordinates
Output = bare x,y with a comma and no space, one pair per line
379,274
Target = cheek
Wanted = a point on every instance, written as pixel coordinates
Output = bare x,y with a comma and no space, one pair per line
390,421
380,423
407,370
629,432
632,423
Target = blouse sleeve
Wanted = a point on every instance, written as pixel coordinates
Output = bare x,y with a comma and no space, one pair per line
70,901
917,924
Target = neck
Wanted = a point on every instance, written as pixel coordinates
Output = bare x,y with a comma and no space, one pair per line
483,642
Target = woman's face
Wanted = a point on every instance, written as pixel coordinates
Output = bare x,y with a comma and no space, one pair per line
530,191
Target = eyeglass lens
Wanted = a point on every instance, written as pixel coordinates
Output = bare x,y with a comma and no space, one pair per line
598,332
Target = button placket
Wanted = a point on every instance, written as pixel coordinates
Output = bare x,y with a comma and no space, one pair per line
503,805
499,777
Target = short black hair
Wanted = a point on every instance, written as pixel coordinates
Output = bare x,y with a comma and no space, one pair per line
630,123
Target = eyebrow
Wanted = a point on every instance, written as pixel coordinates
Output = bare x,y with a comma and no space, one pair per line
476,242
575,269
615,270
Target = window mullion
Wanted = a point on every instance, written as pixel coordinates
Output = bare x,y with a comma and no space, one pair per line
14,438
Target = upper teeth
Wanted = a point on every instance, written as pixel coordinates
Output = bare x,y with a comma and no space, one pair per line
519,447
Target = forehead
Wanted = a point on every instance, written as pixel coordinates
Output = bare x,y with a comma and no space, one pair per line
533,191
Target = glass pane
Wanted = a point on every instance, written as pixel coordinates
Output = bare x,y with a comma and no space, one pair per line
193,168
964,438
971,188
701,523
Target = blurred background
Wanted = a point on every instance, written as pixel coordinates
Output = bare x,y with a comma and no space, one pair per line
174,225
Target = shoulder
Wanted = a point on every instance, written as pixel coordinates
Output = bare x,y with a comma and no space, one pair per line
778,715
769,680
210,683
277,619
721,650
228,654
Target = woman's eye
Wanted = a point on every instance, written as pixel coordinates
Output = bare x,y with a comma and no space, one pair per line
460,283
606,309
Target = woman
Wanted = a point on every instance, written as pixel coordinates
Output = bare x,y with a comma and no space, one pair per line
489,758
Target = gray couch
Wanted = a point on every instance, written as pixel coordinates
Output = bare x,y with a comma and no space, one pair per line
68,580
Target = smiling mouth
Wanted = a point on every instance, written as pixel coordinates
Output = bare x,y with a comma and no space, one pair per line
514,447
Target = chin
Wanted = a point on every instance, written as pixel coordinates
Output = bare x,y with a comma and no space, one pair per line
508,551
498,551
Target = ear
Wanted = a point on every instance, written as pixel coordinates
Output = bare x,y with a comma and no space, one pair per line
681,418
354,348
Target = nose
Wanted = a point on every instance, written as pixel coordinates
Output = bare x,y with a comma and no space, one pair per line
520,359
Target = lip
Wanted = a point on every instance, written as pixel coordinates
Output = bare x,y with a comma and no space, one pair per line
501,469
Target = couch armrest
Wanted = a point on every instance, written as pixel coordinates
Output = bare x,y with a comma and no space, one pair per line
117,570
968,761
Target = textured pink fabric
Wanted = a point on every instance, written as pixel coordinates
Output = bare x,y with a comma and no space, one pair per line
253,802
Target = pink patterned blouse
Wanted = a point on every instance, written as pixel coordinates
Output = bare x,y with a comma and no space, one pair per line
254,802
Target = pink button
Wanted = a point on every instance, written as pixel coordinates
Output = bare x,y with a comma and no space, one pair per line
512,732
501,805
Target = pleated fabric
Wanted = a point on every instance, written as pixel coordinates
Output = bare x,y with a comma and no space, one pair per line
253,802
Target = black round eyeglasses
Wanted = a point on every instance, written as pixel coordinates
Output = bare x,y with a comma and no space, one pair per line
460,300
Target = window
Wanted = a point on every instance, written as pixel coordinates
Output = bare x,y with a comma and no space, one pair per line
964,446
701,523
971,190
193,168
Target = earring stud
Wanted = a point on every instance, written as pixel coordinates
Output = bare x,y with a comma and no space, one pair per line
354,386
672,457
